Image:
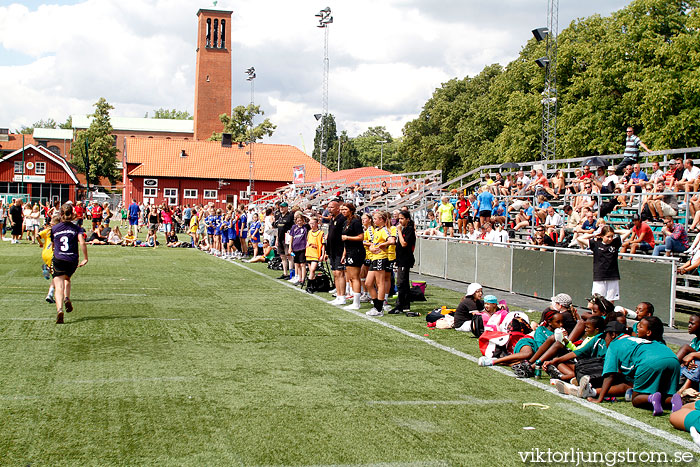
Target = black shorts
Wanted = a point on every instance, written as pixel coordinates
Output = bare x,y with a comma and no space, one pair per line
355,259
379,265
336,264
300,257
392,262
448,225
60,267
484,213
368,262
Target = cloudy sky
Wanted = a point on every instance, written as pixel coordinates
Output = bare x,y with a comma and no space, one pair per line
386,56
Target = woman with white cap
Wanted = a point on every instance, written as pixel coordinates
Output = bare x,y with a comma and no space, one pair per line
472,301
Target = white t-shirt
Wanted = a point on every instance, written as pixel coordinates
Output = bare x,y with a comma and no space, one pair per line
690,175
611,178
555,220
659,174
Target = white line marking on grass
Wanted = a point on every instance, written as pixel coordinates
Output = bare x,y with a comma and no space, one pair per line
687,444
466,401
131,294
128,380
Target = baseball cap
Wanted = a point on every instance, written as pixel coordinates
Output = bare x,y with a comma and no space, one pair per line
490,299
562,299
283,204
473,287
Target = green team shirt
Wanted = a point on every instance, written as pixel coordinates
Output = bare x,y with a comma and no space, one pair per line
445,211
594,347
621,355
695,344
541,335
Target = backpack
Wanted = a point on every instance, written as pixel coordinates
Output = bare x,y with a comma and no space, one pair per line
275,264
415,294
592,367
320,283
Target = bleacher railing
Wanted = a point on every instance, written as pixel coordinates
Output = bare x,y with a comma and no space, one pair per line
526,270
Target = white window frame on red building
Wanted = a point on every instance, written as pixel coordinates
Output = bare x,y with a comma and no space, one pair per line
40,168
190,193
210,194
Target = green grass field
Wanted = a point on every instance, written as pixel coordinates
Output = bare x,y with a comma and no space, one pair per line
174,357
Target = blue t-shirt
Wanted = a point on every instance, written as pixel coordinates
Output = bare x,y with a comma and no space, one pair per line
529,211
187,213
588,225
134,210
255,231
485,200
64,237
695,344
641,176
244,225
543,205
500,210
541,335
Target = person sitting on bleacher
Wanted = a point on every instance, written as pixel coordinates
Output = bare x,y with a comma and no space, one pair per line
662,203
691,177
523,180
656,172
676,239
553,222
636,179
524,216
588,200
642,238
576,183
541,208
541,239
609,182
692,264
587,226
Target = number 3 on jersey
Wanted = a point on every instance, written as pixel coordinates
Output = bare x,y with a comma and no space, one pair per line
64,244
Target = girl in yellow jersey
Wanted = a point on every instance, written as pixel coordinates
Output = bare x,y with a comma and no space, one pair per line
366,224
315,248
47,254
379,240
194,228
391,256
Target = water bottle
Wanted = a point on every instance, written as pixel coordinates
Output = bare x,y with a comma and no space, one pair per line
538,369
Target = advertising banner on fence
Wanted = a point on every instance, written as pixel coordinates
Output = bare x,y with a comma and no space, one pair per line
299,174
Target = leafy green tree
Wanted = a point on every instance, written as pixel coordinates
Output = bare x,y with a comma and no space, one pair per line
330,136
172,114
370,149
349,155
102,150
68,124
48,123
239,124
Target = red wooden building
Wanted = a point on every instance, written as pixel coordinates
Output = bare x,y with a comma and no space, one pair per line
187,172
38,174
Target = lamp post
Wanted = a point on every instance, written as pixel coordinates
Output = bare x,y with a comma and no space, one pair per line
381,153
324,19
251,181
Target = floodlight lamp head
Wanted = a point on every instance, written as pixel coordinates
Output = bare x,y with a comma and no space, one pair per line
318,116
540,34
542,62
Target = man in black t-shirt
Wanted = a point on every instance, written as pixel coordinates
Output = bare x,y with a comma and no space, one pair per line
15,217
334,250
284,221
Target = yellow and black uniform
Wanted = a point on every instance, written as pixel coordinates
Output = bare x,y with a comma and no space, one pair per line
377,236
314,244
194,224
47,251
391,249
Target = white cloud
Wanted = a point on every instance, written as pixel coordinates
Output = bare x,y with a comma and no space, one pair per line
386,57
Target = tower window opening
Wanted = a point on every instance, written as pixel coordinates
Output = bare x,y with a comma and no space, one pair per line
208,32
223,33
216,33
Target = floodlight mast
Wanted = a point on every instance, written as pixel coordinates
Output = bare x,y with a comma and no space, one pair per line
549,94
324,19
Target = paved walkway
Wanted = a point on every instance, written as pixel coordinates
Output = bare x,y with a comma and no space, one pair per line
672,336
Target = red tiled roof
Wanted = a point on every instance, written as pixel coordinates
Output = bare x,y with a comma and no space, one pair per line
15,142
349,175
207,159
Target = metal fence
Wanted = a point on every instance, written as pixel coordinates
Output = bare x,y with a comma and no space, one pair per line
520,269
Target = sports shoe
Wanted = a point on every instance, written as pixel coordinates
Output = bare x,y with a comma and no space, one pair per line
365,298
68,306
294,280
395,311
566,388
695,435
283,277
59,317
553,372
374,312
50,299
523,370
628,395
676,403
485,361
352,306
585,390
655,401
337,301
412,314
386,307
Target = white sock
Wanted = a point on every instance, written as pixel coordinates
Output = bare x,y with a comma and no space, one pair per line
356,298
51,289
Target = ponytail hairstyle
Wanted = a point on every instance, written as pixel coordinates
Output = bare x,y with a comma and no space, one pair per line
407,214
606,229
67,214
598,323
547,315
656,327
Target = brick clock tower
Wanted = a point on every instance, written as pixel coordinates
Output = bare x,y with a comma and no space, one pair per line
212,90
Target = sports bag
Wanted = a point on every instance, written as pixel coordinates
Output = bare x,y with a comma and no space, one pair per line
592,367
